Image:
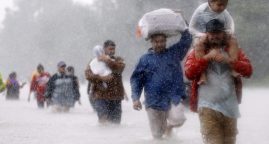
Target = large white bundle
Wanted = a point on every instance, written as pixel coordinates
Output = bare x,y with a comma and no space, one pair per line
99,67
164,21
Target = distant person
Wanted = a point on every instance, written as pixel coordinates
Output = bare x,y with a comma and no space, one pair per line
38,85
71,73
217,101
13,87
159,74
2,84
213,9
62,90
107,90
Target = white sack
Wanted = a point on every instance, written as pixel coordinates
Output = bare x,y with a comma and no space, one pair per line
164,21
176,116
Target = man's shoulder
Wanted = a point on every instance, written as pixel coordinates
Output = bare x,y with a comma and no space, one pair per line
226,13
54,76
146,56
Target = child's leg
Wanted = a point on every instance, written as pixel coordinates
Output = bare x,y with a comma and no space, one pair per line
233,53
202,79
233,49
199,53
199,48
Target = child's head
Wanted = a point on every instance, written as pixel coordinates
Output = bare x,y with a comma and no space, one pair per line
70,70
218,6
98,50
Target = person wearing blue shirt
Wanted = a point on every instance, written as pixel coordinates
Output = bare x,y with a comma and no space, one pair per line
159,73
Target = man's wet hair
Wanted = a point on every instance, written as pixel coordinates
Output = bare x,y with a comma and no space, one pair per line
215,26
157,34
108,43
217,1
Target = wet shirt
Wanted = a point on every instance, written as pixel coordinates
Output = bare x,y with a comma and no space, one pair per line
13,89
219,91
39,83
62,89
160,75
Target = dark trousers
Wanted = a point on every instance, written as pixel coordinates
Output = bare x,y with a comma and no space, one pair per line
40,104
108,110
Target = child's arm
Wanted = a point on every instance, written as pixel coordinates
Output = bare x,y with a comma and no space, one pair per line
233,51
199,48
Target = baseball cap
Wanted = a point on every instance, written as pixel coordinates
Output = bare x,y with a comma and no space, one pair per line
61,64
215,26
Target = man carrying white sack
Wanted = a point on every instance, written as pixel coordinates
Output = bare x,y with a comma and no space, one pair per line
159,73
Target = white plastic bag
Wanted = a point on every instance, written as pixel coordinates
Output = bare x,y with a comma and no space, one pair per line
176,116
164,21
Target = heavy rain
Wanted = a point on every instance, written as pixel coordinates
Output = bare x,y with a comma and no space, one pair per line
53,34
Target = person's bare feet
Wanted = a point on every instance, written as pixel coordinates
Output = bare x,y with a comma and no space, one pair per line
235,74
168,131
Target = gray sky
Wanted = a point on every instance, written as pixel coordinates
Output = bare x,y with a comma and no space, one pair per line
10,4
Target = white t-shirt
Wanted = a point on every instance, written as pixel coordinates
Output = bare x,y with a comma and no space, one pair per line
204,14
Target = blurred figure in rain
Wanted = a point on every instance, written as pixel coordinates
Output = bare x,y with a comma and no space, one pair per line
62,90
105,75
13,87
38,85
71,73
2,84
159,73
91,99
217,101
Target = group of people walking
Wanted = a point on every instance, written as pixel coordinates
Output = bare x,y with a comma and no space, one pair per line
214,66
60,90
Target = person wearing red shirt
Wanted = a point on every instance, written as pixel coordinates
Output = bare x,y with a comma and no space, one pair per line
217,101
38,85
